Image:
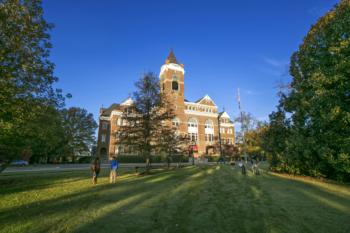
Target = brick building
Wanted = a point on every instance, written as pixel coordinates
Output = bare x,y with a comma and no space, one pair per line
200,120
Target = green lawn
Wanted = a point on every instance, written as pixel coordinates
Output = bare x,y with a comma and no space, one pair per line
191,199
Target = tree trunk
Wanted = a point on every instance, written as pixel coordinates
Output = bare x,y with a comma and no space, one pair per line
168,159
4,166
148,165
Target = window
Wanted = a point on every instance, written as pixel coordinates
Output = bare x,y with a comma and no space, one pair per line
192,123
209,137
119,122
119,150
222,130
176,122
104,125
193,129
208,124
209,130
175,84
103,137
193,137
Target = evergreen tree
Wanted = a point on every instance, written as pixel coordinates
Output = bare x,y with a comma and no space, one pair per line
146,119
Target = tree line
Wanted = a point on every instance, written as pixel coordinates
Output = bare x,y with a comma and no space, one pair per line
309,133
34,123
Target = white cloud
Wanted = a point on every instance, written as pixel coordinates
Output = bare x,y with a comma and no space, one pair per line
275,67
275,62
251,92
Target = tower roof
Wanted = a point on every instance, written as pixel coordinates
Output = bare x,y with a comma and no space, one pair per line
171,58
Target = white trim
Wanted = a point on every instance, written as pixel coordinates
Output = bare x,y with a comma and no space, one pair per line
189,112
171,66
201,105
104,118
225,115
206,97
127,102
116,113
227,124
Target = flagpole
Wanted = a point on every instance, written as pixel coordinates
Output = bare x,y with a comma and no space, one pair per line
242,129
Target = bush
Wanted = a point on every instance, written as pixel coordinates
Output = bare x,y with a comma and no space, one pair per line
86,159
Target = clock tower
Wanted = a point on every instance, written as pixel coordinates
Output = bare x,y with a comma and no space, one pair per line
172,84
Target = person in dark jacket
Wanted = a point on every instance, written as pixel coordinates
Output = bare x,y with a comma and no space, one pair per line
95,168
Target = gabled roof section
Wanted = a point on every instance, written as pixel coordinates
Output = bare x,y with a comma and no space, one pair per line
206,100
171,58
107,111
127,102
224,115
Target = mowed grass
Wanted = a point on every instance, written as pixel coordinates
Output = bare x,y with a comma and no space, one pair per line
191,199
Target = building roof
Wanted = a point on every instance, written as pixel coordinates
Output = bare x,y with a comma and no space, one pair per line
107,111
206,100
120,107
224,115
127,102
171,58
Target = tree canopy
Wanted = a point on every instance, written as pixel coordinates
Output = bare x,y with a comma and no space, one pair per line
317,133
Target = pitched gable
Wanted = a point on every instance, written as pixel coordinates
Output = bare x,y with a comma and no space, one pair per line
206,100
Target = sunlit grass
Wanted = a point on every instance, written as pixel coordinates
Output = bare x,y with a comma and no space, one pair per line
191,199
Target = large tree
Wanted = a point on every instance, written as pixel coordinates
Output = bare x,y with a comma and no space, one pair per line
148,117
26,72
318,101
79,131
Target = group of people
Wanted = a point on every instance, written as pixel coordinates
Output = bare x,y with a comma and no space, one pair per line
96,168
254,166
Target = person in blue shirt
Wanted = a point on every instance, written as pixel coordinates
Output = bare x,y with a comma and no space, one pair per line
114,167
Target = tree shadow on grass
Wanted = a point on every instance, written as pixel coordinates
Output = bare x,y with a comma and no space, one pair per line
148,214
24,182
87,200
306,207
11,184
210,199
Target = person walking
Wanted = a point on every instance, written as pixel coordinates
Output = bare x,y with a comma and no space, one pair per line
95,168
113,172
242,166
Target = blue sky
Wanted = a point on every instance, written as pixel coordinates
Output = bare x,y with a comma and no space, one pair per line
101,48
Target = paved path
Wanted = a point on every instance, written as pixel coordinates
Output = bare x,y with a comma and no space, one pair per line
69,167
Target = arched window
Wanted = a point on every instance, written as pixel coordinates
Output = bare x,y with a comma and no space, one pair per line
209,130
192,123
175,84
193,129
176,122
209,124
